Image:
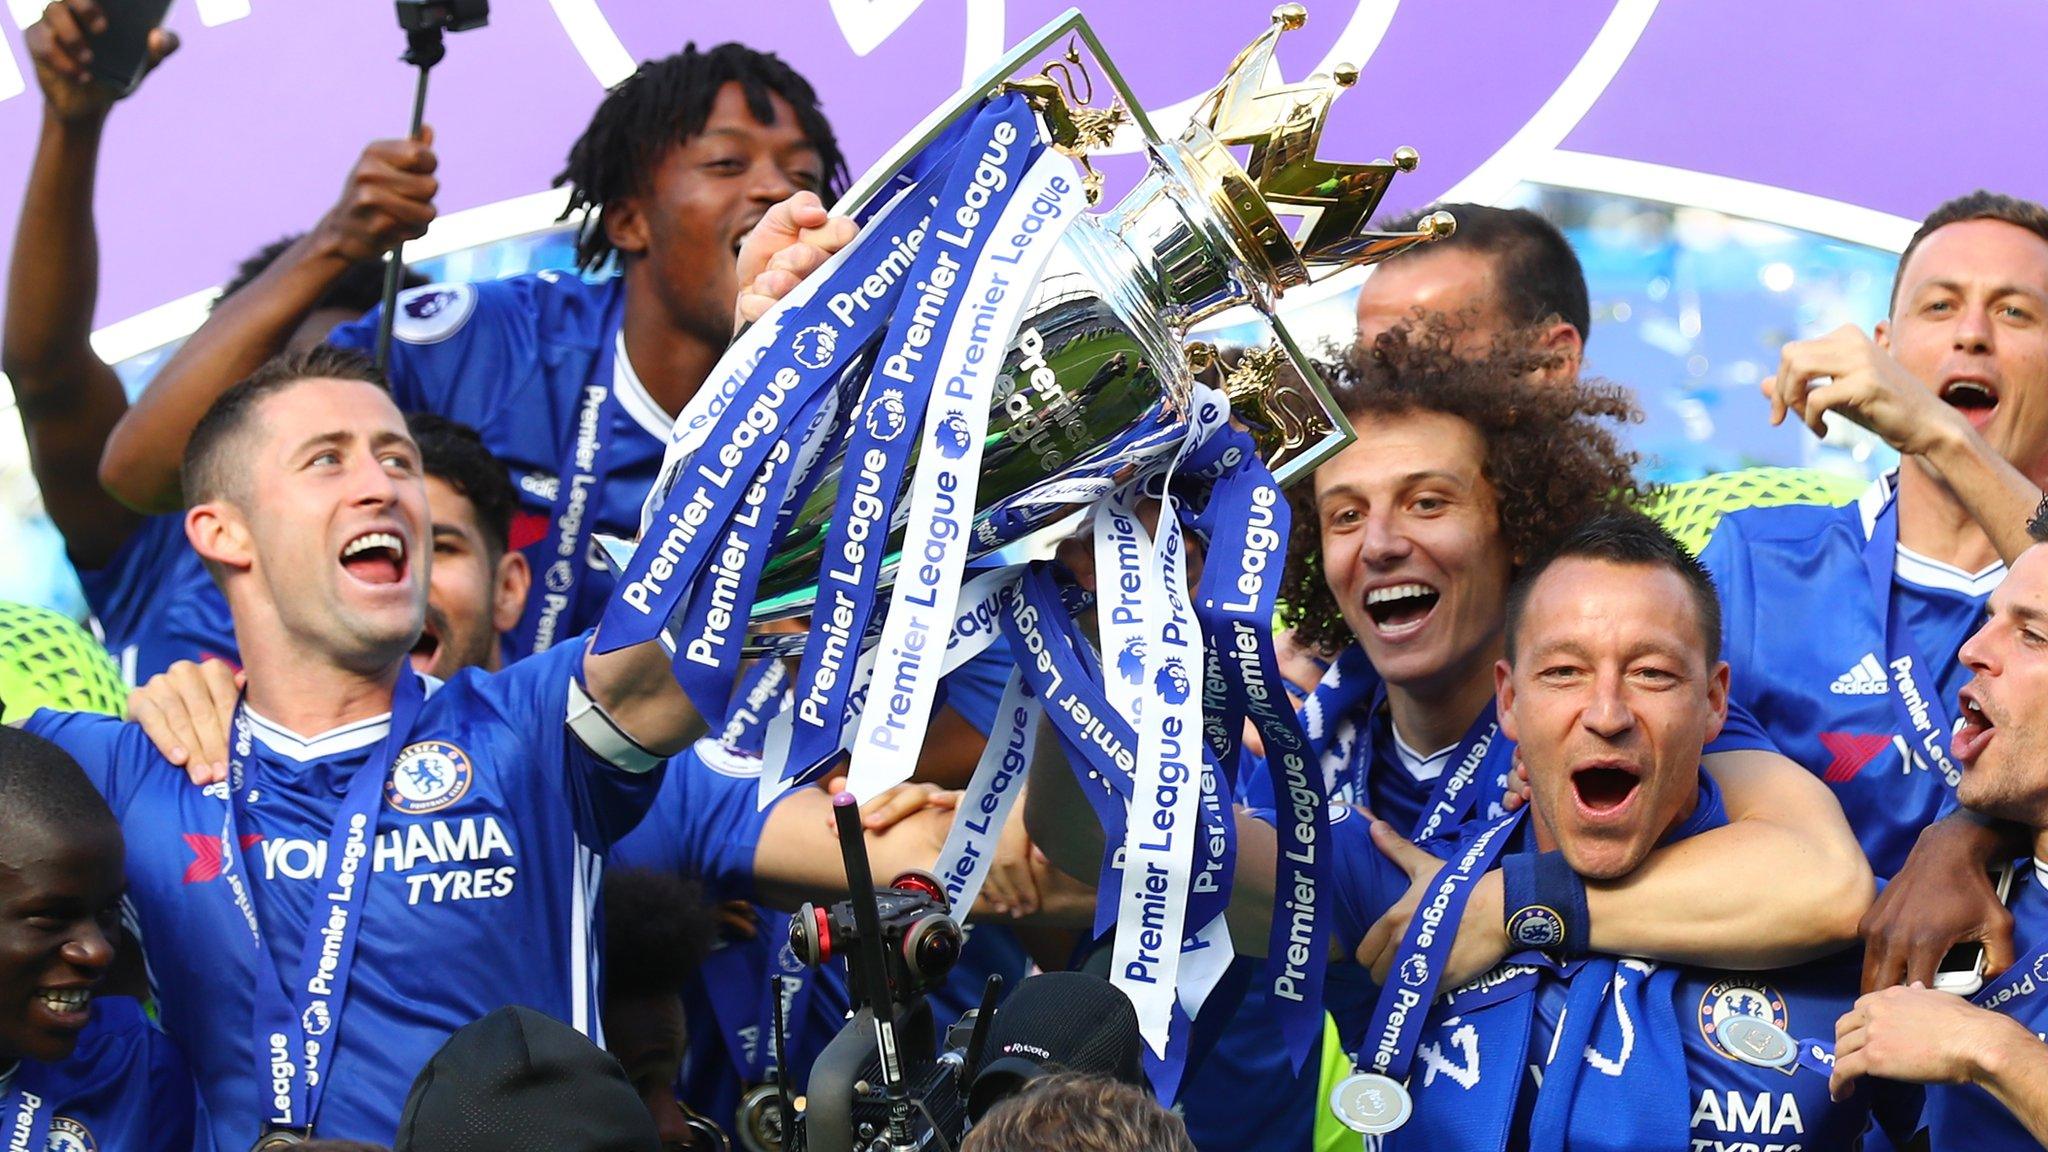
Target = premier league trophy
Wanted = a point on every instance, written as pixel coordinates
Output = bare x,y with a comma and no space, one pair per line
875,472
1099,375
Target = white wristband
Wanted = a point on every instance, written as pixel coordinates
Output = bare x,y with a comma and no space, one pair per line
603,736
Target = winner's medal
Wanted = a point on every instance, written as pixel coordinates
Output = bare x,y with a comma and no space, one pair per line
1755,1040
275,1139
1371,1103
1373,1100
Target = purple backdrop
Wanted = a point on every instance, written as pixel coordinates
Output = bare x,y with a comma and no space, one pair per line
246,133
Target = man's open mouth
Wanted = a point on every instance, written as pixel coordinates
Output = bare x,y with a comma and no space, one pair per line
1975,398
1604,788
375,558
1399,609
1975,732
427,646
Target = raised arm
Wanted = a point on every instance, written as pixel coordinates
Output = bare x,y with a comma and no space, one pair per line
387,198
1865,384
68,398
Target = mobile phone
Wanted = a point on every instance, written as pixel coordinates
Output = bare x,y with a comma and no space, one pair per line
120,54
1961,971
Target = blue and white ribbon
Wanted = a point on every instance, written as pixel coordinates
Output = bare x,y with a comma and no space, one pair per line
878,450
1046,201
971,844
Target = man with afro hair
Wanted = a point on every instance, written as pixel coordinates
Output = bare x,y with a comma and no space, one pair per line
573,380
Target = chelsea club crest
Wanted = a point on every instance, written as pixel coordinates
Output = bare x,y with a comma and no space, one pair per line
68,1135
1725,999
428,777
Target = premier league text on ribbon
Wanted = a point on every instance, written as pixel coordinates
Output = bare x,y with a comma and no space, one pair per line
946,479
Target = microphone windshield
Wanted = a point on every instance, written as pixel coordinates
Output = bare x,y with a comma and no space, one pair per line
1058,1022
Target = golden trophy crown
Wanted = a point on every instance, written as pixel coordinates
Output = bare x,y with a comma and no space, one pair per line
1283,125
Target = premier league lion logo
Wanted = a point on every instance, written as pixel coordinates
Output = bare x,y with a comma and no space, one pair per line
1130,663
431,314
1172,682
813,347
1727,998
68,1135
886,416
316,1020
427,305
952,436
1414,971
428,777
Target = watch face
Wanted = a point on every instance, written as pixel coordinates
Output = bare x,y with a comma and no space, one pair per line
1536,926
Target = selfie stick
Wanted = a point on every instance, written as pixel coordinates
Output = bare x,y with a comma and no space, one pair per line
423,49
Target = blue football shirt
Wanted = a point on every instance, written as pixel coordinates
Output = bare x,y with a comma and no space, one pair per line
1500,1028
1805,644
156,604
483,890
125,1088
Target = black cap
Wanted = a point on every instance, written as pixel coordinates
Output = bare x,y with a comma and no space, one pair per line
1058,1022
519,1081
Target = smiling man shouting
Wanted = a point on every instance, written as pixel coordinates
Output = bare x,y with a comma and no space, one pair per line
1611,687
1842,624
77,1070
390,857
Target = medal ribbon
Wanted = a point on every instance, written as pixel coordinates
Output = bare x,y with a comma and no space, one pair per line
898,397
1160,834
1927,726
706,661
992,791
1101,748
975,627
1240,589
748,1026
24,1116
296,1031
579,498
1411,987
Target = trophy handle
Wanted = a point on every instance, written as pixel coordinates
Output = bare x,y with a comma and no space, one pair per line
1075,128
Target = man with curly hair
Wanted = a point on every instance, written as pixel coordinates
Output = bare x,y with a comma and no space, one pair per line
1463,470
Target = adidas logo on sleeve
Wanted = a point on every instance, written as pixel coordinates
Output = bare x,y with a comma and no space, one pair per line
1866,678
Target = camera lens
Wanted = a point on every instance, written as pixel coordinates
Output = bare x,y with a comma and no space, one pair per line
931,946
810,937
